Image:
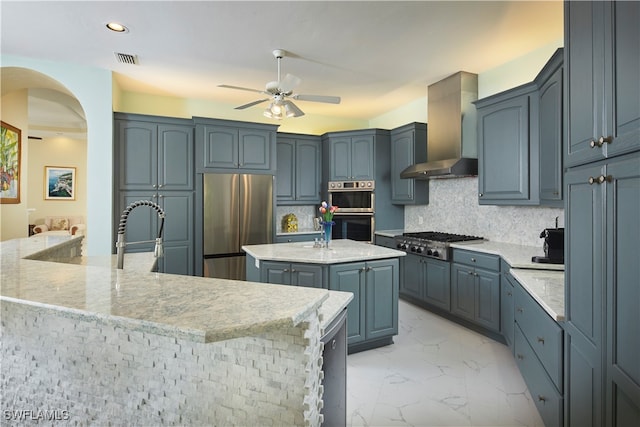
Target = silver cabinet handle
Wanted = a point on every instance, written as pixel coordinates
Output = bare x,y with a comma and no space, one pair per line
519,310
601,141
600,179
159,185
541,398
480,195
541,340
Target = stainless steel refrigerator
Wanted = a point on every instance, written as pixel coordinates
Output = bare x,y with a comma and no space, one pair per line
238,210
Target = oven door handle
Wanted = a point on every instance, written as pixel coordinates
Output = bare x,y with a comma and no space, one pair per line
338,213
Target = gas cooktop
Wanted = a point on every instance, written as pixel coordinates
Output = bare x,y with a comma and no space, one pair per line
432,244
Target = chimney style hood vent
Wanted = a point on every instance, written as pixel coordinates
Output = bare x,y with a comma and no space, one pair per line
452,149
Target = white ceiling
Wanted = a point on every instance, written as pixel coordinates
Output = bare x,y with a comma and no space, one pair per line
376,56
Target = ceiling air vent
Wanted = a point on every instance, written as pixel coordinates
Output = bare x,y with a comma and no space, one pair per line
126,58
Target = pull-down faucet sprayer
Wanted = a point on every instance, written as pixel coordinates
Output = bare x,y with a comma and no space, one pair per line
121,244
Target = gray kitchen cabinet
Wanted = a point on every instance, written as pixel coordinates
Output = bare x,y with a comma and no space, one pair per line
475,288
508,147
427,280
224,145
155,161
306,237
351,155
551,130
408,147
299,174
603,89
153,153
507,305
296,274
372,315
178,235
602,318
602,207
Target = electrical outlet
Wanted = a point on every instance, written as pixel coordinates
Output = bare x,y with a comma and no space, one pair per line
420,220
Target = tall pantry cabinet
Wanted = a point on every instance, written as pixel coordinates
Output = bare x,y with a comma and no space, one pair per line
602,104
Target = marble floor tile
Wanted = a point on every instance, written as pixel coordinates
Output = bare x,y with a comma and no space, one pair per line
437,373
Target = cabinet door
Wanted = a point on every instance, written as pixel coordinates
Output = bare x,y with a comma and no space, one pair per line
584,297
487,310
382,298
178,232
278,273
254,149
350,278
463,291
285,175
306,275
402,150
137,146
413,279
506,310
603,95
623,292
437,282
219,146
503,162
550,132
307,173
175,157
340,166
362,157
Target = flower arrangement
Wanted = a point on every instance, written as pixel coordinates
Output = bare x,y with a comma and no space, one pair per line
327,212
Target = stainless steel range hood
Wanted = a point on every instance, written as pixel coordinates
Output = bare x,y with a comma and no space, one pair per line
451,143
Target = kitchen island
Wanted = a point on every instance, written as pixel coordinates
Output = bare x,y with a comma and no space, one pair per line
369,272
85,343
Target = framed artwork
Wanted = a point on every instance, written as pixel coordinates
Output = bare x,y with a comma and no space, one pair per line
59,183
10,164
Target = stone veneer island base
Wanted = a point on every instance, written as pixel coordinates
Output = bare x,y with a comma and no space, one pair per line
88,344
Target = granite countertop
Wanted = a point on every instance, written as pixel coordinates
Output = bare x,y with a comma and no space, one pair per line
546,287
339,251
186,307
389,233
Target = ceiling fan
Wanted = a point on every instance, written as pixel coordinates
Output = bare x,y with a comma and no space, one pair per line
279,91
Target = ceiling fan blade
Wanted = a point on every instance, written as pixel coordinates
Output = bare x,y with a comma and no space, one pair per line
251,104
289,82
318,98
242,88
294,108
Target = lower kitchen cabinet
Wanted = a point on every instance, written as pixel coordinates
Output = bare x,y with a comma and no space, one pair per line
475,288
296,274
427,280
507,305
372,315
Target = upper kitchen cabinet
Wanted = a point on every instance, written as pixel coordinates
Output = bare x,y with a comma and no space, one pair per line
298,176
408,147
508,147
224,145
153,153
551,130
351,155
602,73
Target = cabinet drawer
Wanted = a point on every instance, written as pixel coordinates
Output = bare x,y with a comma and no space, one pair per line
477,259
547,399
541,331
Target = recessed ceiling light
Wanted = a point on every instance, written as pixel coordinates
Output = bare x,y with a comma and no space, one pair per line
118,28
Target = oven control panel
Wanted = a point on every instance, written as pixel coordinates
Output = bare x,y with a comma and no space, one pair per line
351,185
439,250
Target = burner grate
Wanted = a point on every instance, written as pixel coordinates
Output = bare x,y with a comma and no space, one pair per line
437,236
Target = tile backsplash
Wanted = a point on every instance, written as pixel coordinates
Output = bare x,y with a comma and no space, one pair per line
453,207
305,215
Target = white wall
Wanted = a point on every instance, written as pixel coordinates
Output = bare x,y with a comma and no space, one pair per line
62,152
93,89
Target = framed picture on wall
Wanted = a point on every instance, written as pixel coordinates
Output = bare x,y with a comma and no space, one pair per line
10,163
59,183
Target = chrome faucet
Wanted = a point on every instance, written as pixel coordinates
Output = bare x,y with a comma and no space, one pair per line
121,244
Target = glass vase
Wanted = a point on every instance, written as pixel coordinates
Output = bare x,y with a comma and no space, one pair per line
327,232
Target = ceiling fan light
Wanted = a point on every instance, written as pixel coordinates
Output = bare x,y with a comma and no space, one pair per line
274,111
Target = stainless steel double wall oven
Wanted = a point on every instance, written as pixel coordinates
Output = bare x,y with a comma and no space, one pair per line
355,218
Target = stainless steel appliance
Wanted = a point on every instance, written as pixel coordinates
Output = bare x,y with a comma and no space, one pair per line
238,210
553,246
352,196
360,227
432,244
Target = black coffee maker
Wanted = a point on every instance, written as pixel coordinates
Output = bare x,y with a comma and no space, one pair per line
553,246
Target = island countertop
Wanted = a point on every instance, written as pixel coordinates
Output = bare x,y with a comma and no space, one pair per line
194,308
339,251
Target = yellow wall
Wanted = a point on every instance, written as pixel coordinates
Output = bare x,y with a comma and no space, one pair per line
14,216
56,152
